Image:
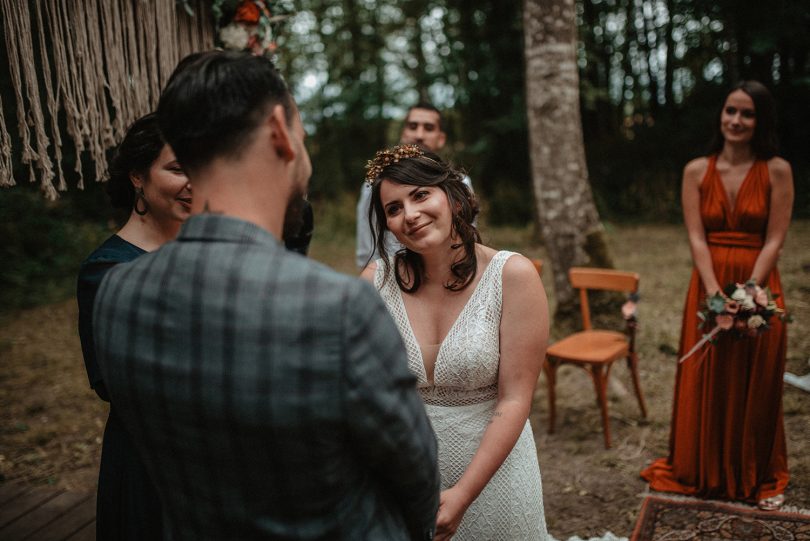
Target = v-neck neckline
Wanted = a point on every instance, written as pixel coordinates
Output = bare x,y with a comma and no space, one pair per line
732,208
452,327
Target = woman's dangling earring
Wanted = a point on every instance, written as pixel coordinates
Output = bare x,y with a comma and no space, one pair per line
140,198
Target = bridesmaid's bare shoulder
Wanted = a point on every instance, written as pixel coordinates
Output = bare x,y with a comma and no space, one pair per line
695,169
779,170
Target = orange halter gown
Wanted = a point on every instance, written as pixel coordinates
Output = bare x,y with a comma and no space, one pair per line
727,439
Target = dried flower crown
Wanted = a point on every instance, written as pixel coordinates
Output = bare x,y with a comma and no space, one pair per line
388,156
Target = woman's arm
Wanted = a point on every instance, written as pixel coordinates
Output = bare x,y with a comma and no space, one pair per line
781,207
523,341
690,200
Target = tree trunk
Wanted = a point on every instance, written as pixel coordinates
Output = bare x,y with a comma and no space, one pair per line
669,68
568,218
650,46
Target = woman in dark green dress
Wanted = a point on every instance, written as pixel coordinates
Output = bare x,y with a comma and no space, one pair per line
147,181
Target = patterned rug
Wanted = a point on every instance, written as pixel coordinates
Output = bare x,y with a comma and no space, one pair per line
664,519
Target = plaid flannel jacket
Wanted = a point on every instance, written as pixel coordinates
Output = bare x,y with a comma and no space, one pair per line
268,395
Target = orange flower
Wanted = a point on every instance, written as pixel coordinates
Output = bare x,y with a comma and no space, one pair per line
247,12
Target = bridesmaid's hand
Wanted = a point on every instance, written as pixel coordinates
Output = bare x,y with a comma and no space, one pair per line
453,504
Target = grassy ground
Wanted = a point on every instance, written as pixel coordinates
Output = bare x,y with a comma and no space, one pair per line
51,423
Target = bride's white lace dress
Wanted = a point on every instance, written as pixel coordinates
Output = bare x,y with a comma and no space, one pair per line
460,405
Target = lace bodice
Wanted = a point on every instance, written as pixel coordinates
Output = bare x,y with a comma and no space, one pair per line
466,368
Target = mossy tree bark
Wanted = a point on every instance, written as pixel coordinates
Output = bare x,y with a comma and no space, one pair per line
568,219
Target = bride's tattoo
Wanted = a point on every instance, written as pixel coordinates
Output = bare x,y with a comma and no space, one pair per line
495,414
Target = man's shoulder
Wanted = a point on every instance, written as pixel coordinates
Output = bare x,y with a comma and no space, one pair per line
309,271
262,268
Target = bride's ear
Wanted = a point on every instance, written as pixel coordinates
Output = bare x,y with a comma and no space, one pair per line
136,179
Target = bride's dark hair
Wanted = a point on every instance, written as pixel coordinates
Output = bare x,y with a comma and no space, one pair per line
428,170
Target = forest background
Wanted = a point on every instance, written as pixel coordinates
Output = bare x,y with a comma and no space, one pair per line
652,76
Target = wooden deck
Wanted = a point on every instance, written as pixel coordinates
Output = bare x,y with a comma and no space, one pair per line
46,514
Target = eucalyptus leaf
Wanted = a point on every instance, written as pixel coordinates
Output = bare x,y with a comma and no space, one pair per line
717,303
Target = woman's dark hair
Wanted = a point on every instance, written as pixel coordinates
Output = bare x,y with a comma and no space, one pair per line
428,170
765,143
135,155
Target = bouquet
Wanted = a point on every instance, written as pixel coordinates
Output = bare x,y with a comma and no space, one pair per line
743,309
252,28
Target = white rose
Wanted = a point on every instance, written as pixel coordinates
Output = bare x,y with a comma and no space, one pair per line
234,36
748,303
738,295
756,321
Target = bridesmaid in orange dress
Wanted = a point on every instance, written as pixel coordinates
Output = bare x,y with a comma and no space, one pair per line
727,437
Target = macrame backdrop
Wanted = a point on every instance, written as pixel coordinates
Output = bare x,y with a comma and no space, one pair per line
100,63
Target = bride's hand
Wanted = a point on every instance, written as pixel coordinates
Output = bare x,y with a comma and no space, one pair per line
453,504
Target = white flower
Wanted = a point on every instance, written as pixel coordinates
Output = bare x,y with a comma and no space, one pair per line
267,40
756,321
234,36
748,303
738,295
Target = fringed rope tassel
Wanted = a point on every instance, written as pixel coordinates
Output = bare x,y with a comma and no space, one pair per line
6,168
52,98
70,81
36,117
11,32
110,60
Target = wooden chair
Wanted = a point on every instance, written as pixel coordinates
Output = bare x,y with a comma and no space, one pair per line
595,350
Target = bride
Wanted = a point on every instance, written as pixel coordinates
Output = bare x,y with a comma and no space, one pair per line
475,325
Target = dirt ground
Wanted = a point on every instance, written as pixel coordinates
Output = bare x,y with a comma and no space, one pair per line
51,423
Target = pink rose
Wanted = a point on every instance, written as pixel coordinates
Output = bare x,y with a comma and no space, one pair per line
724,321
732,307
628,309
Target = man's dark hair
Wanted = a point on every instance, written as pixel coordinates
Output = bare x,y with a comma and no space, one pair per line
137,152
215,100
425,105
765,142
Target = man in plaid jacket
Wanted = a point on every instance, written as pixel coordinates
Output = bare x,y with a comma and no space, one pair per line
268,395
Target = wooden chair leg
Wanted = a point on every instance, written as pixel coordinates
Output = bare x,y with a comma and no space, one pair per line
632,364
599,377
550,368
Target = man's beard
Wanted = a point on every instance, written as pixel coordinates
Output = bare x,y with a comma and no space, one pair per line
294,218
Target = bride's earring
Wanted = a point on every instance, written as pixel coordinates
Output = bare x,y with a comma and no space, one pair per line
140,198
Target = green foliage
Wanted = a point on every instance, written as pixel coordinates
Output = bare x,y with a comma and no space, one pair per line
716,303
508,204
43,245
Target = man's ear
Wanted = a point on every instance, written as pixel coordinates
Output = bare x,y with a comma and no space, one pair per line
442,140
280,136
